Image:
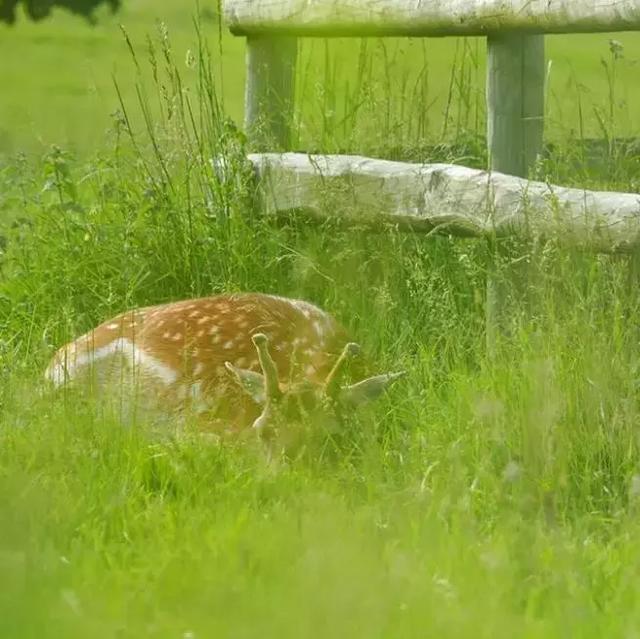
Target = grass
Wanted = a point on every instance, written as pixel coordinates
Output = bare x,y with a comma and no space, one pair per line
484,496
58,88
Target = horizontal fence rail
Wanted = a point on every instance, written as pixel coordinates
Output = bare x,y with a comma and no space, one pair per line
444,198
428,17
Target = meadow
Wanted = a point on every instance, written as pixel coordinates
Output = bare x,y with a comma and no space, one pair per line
484,496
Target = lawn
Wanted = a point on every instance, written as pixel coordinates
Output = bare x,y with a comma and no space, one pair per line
58,76
483,496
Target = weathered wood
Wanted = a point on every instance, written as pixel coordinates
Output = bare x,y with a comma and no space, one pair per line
515,101
429,17
515,126
444,198
269,91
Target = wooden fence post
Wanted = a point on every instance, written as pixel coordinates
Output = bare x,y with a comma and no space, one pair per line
269,91
515,126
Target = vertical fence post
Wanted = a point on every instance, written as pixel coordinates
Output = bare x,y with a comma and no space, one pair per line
515,125
269,91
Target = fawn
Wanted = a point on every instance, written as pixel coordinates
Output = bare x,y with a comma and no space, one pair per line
238,362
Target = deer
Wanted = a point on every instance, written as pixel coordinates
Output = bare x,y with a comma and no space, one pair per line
240,363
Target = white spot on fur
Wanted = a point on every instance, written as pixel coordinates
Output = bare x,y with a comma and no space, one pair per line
203,320
199,368
177,337
228,345
194,313
150,364
214,329
59,371
56,374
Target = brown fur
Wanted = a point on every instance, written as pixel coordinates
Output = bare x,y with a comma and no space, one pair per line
194,338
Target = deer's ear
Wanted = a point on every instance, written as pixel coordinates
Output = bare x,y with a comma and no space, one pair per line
251,382
368,389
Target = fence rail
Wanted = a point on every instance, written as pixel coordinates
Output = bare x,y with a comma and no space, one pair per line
444,198
428,17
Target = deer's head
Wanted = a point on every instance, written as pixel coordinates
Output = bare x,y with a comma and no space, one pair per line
305,404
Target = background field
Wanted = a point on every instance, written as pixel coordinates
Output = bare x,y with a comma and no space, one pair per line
58,76
483,497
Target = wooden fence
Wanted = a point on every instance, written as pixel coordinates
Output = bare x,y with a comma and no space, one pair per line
438,197
446,199
515,70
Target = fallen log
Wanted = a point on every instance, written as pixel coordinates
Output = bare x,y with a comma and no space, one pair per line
444,198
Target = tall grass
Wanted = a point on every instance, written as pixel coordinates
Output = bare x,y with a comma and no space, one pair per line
483,497
384,104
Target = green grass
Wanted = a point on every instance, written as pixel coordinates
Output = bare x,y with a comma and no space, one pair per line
58,88
483,497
